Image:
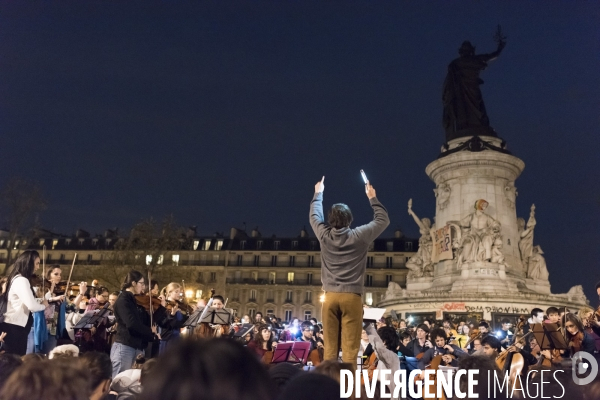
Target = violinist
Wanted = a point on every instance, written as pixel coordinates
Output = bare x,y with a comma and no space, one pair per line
20,303
134,330
99,300
421,343
48,334
553,315
449,328
307,336
100,332
578,339
171,324
154,288
484,329
449,352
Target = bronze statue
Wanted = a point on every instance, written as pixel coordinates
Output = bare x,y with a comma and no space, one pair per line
464,110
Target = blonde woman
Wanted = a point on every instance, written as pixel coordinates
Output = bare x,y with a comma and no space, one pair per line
171,324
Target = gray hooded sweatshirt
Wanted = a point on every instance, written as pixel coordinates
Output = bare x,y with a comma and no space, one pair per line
344,250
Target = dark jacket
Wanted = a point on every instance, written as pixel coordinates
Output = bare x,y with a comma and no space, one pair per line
344,250
430,354
415,347
171,324
133,322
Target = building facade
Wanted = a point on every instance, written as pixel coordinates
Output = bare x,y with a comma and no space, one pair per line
280,276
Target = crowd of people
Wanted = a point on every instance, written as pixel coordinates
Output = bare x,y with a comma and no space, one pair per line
144,342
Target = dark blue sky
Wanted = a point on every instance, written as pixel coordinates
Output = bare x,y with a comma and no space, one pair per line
227,113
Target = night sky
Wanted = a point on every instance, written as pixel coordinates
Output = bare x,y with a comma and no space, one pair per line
227,112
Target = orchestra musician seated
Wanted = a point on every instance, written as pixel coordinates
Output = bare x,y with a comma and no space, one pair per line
449,352
263,342
577,337
385,343
491,347
307,336
421,343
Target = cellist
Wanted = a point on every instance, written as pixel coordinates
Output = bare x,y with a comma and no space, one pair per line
449,352
421,343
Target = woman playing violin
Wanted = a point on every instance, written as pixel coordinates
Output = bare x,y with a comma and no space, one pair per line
134,329
578,339
50,326
171,324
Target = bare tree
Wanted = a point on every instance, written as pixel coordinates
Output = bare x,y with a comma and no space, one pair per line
20,201
149,246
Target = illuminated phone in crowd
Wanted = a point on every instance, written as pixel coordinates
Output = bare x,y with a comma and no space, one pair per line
364,176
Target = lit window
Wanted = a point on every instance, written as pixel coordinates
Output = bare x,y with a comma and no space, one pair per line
308,296
290,277
81,241
148,259
219,244
54,243
272,276
369,298
196,243
254,276
175,259
160,260
198,293
41,242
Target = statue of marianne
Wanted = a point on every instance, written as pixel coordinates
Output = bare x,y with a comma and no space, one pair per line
464,110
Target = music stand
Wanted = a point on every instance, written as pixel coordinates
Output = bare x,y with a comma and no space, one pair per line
292,352
244,330
217,317
90,319
282,352
549,336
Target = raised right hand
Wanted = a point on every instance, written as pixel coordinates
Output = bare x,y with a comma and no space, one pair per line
370,190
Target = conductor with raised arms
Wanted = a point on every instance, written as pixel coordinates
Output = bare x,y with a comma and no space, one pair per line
343,265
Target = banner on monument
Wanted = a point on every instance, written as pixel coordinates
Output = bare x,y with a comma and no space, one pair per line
442,244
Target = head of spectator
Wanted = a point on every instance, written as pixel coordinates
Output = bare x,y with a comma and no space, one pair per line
99,368
54,379
332,369
282,373
146,368
320,387
487,368
405,338
402,324
33,357
64,351
8,363
208,369
246,319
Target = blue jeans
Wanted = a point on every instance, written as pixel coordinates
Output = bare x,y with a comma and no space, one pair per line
122,357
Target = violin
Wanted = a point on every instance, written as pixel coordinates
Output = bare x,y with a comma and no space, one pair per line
59,289
183,307
143,300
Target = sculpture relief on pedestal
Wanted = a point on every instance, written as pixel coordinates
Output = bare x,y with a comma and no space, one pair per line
537,265
420,265
479,232
526,237
442,193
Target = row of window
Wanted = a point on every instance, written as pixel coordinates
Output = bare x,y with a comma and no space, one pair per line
289,295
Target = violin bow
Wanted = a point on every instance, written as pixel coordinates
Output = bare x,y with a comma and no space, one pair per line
69,280
150,297
43,271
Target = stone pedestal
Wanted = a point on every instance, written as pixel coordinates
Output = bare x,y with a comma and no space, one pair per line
538,285
419,284
482,277
464,177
